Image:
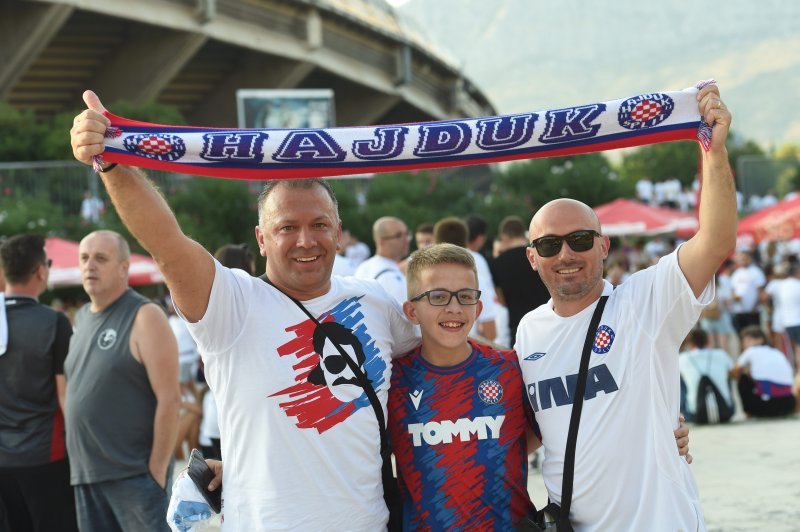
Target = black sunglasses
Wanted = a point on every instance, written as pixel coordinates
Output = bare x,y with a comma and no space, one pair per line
548,246
441,297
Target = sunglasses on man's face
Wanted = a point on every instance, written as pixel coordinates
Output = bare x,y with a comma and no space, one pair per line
549,246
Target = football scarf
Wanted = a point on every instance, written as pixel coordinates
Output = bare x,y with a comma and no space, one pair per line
297,153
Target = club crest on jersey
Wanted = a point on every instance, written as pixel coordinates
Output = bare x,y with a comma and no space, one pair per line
645,110
107,339
535,356
490,391
161,147
603,340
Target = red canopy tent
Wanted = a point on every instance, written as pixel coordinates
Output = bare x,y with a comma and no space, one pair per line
627,217
779,222
66,272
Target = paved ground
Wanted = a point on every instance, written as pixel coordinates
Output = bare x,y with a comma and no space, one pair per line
748,473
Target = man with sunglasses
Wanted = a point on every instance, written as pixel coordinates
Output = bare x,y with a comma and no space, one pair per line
632,394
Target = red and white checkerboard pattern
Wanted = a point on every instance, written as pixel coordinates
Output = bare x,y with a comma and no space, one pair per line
645,110
602,339
155,145
490,391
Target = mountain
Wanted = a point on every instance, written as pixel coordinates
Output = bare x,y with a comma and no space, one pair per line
529,55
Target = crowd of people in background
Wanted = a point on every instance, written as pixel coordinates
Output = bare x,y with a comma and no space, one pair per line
746,343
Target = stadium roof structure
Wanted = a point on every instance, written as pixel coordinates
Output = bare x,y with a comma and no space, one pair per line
195,54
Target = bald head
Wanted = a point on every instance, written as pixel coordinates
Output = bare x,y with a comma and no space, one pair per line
391,237
563,213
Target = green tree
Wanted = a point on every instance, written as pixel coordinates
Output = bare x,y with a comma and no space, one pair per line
216,212
659,162
29,214
589,178
19,135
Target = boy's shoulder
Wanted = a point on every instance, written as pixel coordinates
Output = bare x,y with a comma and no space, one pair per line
493,353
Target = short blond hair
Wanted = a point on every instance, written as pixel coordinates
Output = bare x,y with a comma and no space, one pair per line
423,259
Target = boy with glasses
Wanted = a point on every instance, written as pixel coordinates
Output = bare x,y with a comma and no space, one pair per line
459,421
457,413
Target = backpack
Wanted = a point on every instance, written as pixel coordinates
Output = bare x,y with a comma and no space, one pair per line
711,405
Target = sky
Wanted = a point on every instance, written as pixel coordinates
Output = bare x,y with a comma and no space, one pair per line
528,55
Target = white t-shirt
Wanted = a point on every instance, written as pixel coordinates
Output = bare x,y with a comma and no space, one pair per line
790,302
767,364
357,253
715,363
745,283
774,291
387,273
299,455
342,266
628,475
209,426
486,286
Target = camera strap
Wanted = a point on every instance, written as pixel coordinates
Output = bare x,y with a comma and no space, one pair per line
577,407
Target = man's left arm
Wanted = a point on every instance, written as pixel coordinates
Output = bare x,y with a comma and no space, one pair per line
155,347
701,256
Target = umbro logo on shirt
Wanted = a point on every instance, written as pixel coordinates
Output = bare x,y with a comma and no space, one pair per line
535,356
416,397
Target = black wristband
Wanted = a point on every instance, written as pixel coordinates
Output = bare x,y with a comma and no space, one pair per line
107,168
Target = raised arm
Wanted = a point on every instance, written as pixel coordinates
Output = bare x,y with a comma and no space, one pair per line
702,255
186,265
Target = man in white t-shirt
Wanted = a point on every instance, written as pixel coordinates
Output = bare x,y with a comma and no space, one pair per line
746,280
632,394
301,452
391,246
765,377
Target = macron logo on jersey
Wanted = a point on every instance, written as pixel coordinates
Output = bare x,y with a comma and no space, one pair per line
416,397
535,356
435,432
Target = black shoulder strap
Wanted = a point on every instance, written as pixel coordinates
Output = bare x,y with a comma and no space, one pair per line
387,270
577,406
362,378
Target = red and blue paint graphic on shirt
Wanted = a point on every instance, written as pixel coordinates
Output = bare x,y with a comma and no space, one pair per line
326,391
458,435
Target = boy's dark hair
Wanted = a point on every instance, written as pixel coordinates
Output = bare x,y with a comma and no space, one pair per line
698,338
424,227
512,227
236,256
451,230
477,226
755,332
21,255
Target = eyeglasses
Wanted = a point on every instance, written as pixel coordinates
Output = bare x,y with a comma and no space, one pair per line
441,297
402,234
548,246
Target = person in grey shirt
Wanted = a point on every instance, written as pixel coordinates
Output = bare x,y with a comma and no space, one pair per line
122,397
34,471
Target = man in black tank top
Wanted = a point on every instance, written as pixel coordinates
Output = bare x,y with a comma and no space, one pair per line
34,471
122,397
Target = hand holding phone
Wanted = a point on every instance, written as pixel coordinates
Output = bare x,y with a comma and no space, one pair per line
201,475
